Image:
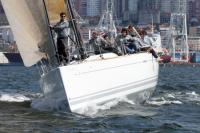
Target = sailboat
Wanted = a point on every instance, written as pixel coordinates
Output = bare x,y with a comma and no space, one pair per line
8,49
91,80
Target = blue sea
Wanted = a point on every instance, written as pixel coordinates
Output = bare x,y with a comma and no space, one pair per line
174,107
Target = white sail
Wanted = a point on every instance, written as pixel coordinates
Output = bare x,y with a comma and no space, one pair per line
27,21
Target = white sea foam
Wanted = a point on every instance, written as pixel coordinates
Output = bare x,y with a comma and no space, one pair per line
88,110
171,96
193,96
92,110
13,98
175,98
163,101
34,95
192,93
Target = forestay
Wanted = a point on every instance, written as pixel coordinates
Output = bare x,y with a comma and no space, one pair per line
28,23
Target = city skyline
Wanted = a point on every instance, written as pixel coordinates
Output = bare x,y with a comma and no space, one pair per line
134,11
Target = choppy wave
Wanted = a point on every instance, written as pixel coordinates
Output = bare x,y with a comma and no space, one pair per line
92,110
178,98
44,104
175,98
88,110
13,98
174,107
8,95
163,101
193,96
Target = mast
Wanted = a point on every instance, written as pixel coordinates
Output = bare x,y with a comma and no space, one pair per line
152,23
78,38
107,23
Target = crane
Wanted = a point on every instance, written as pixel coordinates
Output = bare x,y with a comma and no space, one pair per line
179,49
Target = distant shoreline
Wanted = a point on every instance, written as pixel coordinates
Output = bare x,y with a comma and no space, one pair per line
179,64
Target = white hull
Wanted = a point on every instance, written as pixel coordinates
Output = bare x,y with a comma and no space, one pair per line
95,82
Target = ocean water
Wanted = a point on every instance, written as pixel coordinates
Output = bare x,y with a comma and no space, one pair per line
174,107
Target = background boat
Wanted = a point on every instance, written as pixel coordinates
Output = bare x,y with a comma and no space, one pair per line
9,54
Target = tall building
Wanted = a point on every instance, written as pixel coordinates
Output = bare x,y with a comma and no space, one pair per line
165,6
93,8
170,6
89,8
133,10
194,11
3,19
125,10
78,5
198,9
191,8
103,6
118,11
149,10
165,11
81,7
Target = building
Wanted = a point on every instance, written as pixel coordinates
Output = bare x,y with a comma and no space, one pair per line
93,8
3,19
80,6
194,43
194,31
90,9
198,9
165,6
133,10
140,11
193,12
149,11
165,11
118,13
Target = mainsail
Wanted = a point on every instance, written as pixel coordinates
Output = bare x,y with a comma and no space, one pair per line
27,19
